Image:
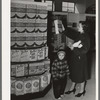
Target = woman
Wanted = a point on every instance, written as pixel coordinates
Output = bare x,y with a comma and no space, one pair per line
78,59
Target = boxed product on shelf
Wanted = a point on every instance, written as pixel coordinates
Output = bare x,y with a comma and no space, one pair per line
45,37
24,55
18,36
33,55
38,37
44,81
41,18
13,70
30,36
42,8
15,55
49,77
20,19
26,70
19,87
31,17
40,54
19,70
46,52
13,80
33,68
35,84
31,8
27,85
59,41
20,43
47,64
18,5
40,67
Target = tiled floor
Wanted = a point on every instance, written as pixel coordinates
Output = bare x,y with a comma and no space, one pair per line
90,88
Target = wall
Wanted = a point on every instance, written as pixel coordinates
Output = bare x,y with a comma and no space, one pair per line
81,5
76,18
80,8
90,2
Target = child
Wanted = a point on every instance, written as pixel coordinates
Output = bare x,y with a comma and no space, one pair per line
59,73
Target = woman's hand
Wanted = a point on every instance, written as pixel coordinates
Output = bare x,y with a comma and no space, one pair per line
80,45
76,44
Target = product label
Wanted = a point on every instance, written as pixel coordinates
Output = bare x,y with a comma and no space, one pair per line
20,70
13,86
35,85
19,87
33,68
15,55
33,55
44,81
13,70
41,54
27,86
24,55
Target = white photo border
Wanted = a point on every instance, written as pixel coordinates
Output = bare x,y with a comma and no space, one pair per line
6,50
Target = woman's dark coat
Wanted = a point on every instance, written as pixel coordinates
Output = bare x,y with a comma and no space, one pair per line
78,57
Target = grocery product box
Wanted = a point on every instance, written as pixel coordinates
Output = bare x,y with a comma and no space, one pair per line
13,80
33,68
13,70
41,53
47,64
33,55
19,70
19,87
27,85
40,67
45,80
46,52
24,55
15,55
35,84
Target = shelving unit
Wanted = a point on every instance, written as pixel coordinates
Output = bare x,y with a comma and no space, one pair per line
30,65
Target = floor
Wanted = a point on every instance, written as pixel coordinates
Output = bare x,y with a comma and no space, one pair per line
90,88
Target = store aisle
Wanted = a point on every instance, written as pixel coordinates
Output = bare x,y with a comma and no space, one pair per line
90,88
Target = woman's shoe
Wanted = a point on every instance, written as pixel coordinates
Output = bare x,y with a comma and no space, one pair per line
68,92
80,94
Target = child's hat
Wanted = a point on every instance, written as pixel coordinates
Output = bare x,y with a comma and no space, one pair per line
61,51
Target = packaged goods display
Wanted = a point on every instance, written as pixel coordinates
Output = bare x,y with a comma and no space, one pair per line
29,50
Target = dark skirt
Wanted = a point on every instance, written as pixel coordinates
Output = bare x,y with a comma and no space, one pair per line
78,68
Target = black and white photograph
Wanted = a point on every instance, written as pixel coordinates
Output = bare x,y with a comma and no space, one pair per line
51,50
